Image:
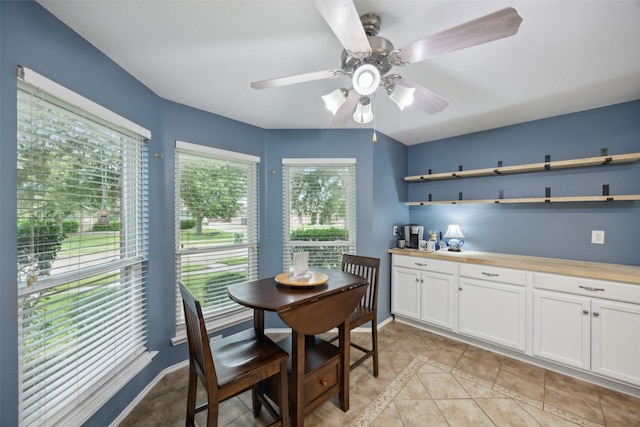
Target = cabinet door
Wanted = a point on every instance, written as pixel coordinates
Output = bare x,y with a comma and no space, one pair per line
492,312
436,303
615,340
405,298
561,328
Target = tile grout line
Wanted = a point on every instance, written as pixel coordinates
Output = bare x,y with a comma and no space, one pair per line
375,408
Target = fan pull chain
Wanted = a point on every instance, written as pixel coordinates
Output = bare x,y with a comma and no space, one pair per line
373,108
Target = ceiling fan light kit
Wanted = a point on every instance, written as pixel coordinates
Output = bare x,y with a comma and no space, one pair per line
366,79
401,95
335,99
364,112
367,59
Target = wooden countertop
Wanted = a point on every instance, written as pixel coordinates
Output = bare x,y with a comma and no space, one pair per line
591,270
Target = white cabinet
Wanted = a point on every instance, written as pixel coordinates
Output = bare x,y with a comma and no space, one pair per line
615,340
587,324
591,333
561,328
437,298
423,290
490,310
405,297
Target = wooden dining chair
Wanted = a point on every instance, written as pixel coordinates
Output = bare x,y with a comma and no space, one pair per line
230,366
367,310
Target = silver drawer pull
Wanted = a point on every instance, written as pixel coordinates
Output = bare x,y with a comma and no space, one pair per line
590,289
490,274
420,264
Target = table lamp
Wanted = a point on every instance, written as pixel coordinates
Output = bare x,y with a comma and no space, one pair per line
454,234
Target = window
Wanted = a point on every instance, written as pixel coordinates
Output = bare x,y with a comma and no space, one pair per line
82,243
216,230
319,210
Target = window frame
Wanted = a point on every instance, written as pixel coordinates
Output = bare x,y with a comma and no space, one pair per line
76,406
233,313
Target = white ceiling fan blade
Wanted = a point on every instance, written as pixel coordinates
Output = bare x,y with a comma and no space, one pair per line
423,98
345,111
300,78
343,18
497,25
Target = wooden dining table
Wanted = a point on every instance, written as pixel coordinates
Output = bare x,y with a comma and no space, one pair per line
317,369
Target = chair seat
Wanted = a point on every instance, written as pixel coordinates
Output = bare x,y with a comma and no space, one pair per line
361,315
242,354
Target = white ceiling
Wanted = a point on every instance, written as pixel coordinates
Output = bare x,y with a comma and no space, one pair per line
567,56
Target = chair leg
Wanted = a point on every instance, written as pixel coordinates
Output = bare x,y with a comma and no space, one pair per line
374,343
191,396
257,403
212,413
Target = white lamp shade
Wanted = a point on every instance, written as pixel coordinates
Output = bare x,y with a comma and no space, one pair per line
401,95
335,99
454,232
366,79
363,113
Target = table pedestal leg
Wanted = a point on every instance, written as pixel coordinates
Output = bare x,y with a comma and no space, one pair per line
344,338
297,379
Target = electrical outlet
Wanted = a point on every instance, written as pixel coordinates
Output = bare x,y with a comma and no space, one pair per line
597,237
395,230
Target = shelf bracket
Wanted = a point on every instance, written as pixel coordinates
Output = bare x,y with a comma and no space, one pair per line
607,161
547,194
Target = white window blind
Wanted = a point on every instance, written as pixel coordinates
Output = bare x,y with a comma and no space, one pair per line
319,210
82,243
216,229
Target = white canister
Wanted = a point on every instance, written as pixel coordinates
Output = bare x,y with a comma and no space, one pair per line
422,245
431,246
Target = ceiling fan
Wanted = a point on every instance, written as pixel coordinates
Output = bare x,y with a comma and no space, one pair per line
367,59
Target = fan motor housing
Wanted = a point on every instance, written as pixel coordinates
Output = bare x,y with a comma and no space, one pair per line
379,58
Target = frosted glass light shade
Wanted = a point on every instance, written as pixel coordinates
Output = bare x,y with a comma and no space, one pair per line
335,99
366,79
401,95
363,113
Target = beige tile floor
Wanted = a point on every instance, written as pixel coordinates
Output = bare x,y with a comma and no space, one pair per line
426,380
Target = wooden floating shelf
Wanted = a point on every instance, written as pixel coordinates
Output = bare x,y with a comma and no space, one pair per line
533,167
610,198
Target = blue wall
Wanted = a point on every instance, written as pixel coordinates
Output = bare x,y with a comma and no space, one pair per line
31,37
556,230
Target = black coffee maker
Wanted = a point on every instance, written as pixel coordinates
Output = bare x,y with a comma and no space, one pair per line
413,233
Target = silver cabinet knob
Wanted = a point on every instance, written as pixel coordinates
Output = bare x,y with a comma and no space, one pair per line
585,311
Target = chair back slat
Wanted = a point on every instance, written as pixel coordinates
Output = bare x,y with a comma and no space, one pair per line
198,338
367,268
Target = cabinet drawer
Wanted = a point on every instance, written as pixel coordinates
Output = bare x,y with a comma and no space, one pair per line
494,274
321,381
587,287
426,264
